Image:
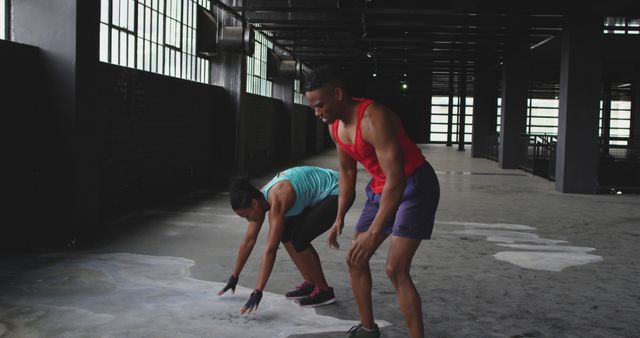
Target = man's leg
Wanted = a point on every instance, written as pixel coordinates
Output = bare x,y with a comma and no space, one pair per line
361,285
401,252
308,262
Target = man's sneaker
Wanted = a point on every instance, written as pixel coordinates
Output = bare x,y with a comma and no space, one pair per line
318,297
302,290
359,331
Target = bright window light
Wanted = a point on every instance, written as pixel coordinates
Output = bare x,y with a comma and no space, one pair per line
440,119
257,82
153,36
3,17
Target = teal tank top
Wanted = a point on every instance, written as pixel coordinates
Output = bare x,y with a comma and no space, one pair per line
311,184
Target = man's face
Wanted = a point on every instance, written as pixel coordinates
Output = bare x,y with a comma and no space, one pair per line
326,102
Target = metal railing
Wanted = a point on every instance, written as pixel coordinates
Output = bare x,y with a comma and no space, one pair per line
619,149
493,146
540,158
619,165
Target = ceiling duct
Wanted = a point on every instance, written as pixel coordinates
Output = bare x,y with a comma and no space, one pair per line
237,40
206,34
290,69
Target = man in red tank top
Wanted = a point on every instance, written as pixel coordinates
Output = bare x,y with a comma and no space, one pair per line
402,196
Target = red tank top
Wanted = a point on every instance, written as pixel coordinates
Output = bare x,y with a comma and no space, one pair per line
364,152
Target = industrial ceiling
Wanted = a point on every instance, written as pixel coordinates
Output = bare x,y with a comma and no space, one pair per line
423,38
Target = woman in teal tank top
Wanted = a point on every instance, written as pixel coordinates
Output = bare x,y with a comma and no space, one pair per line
301,203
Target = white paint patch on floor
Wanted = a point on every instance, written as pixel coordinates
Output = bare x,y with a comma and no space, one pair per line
492,226
127,295
509,236
544,254
548,261
561,248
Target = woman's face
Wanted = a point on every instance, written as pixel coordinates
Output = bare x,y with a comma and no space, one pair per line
253,213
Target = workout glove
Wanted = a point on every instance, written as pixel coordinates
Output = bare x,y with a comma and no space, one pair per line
252,303
231,284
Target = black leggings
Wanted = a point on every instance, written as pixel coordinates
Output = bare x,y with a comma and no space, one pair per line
312,222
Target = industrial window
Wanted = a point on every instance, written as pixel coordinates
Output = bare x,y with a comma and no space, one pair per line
498,116
542,116
153,35
620,125
3,19
298,97
440,119
257,82
619,25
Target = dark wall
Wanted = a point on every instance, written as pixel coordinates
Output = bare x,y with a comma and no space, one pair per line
21,97
303,131
412,111
317,136
268,133
39,171
159,137
142,139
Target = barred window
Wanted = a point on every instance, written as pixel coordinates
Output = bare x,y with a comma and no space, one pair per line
542,116
4,31
298,97
620,25
257,82
440,119
620,122
153,35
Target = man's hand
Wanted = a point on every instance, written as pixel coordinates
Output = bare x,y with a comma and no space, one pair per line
362,247
252,303
231,284
335,230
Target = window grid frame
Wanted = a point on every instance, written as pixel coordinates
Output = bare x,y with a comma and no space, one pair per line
614,132
257,83
456,121
625,26
531,114
145,42
298,96
5,25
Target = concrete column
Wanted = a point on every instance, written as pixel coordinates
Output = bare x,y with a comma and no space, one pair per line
515,71
635,113
450,108
230,72
462,85
52,26
606,116
580,80
283,91
484,106
428,94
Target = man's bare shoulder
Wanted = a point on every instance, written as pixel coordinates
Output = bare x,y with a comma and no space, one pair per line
377,116
375,109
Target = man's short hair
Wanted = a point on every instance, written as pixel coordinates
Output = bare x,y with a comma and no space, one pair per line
323,75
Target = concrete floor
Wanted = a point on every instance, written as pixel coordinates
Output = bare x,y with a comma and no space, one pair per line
510,257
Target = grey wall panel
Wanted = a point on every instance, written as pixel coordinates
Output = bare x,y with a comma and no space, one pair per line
162,137
268,133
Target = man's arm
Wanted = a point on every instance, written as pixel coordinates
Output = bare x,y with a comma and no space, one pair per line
380,128
346,192
244,251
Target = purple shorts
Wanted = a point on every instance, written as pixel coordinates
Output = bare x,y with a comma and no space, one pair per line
416,214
